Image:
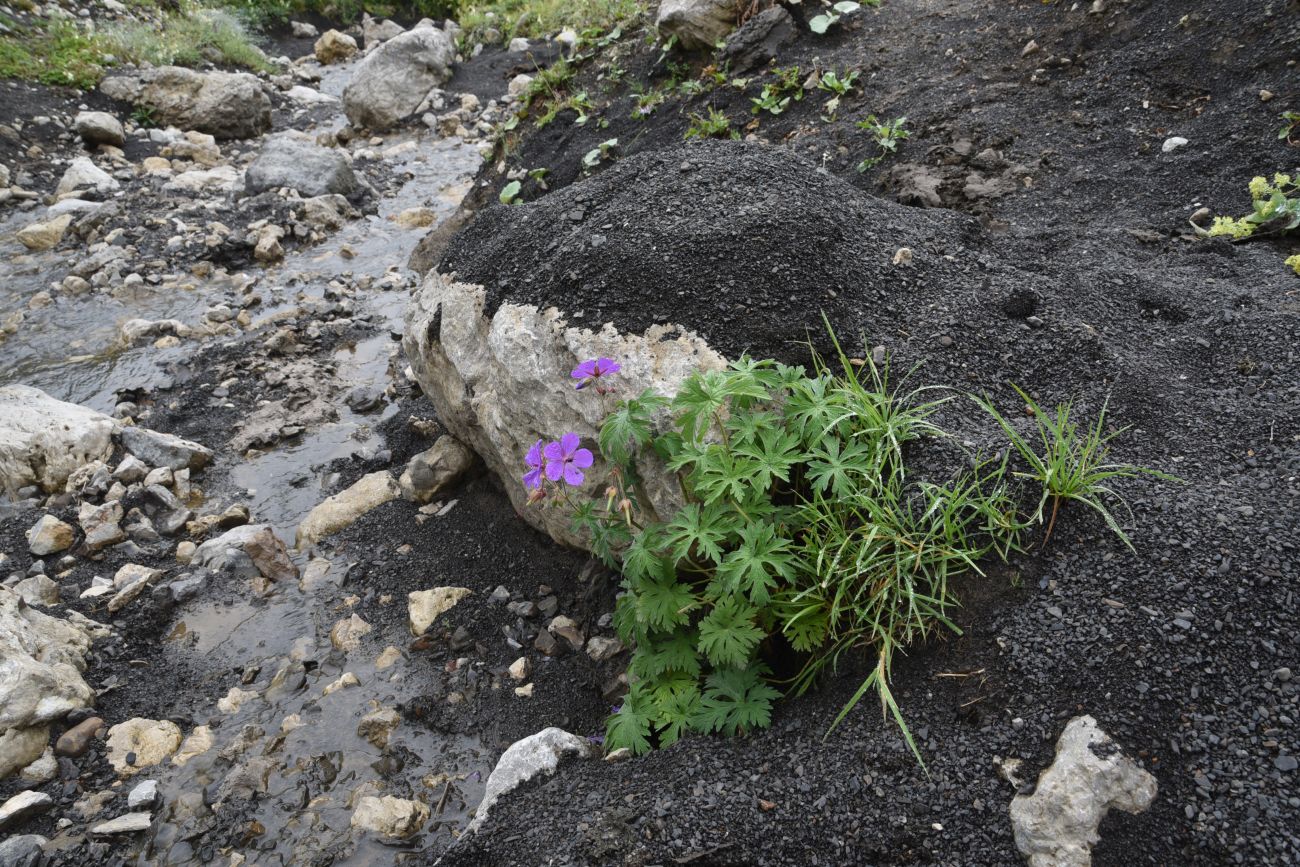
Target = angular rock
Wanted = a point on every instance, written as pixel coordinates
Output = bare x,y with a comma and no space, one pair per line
501,383
295,161
44,235
227,105
378,725
431,472
758,40
257,542
389,816
525,759
346,634
697,24
38,590
144,795
19,747
22,807
342,509
424,606
49,535
334,47
147,741
601,649
196,743
565,628
164,450
41,661
23,850
1056,826
99,127
374,32
394,79
42,770
101,525
130,823
83,176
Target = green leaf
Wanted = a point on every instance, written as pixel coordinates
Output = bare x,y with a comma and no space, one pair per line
627,428
735,701
698,528
659,656
664,604
723,476
821,23
700,398
772,456
678,706
753,568
641,558
510,192
728,636
630,727
833,468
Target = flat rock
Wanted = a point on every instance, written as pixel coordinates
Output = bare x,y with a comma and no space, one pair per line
342,509
389,816
164,450
43,440
151,741
22,807
425,606
130,823
46,234
294,161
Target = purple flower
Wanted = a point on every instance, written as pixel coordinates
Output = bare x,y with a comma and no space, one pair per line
593,369
565,460
534,459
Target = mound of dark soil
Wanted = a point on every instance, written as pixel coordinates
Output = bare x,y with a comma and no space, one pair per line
745,244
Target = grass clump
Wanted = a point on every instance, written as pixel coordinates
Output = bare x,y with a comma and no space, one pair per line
539,18
60,54
1071,465
713,124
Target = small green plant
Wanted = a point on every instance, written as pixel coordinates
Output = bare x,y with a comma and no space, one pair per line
646,101
510,193
819,24
839,87
1290,126
1275,209
1072,463
715,124
143,116
769,100
598,154
887,136
776,96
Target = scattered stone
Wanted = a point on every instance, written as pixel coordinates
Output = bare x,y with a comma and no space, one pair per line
197,743
374,32
387,658
389,816
99,127
425,606
22,807
394,79
294,161
23,850
143,795
253,544
38,590
378,725
164,450
565,628
45,235
83,177
77,740
49,535
19,747
227,105
433,471
601,649
131,823
346,634
520,668
304,30
416,218
235,699
1056,826
525,691
519,84
42,770
340,510
141,743
524,760
101,525
334,47
1173,143
345,680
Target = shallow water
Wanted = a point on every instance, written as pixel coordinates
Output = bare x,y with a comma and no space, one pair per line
309,775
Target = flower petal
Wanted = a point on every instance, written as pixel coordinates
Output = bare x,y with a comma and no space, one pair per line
584,370
573,475
534,456
553,452
569,442
533,479
581,458
555,469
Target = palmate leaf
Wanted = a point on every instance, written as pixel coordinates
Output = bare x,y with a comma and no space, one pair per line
831,467
699,528
627,428
735,700
810,410
659,656
642,556
728,635
677,701
754,567
663,604
701,397
771,456
723,476
630,727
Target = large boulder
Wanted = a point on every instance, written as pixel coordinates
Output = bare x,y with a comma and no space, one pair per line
295,161
43,440
668,262
334,47
227,105
697,23
394,79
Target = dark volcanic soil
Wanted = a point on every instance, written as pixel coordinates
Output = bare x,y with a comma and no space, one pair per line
1077,277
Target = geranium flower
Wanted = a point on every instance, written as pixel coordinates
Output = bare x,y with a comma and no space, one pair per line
564,460
534,459
593,369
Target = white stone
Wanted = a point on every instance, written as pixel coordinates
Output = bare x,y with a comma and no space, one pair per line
43,440
501,384
389,816
41,661
340,510
1173,143
234,700
23,806
84,176
131,823
143,795
346,634
152,741
49,535
99,127
1056,826
394,79
525,759
425,606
